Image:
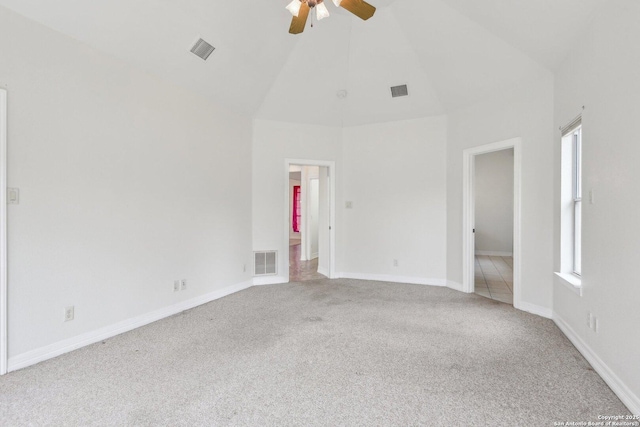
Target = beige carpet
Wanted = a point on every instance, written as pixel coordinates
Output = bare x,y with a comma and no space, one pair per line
326,353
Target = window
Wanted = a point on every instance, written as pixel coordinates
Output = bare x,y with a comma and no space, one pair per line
576,160
571,200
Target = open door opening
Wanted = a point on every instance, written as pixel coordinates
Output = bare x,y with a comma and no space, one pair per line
305,206
310,212
492,227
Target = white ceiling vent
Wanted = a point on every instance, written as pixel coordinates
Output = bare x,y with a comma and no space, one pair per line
397,91
202,49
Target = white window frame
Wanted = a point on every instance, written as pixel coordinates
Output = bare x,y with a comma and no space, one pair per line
576,173
571,182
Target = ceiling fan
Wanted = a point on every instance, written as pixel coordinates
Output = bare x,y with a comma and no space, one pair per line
300,11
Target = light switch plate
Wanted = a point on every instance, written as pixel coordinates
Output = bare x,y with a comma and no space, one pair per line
13,196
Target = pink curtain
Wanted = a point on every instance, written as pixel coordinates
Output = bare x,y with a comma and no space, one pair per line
295,220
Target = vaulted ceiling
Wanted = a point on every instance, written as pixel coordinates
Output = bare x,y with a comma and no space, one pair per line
450,53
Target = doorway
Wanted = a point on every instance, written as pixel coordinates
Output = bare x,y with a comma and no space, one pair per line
304,252
310,213
491,248
493,224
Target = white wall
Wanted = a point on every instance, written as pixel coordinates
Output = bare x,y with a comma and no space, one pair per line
395,176
394,173
602,74
273,142
525,111
494,203
124,187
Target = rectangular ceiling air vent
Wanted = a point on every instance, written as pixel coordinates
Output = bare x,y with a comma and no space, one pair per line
265,263
202,49
397,91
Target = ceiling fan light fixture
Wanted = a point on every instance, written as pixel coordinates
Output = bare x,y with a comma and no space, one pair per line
294,7
300,10
321,11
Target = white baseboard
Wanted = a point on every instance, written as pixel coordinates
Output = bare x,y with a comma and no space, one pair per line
56,349
395,279
621,390
455,286
269,280
534,309
323,271
494,253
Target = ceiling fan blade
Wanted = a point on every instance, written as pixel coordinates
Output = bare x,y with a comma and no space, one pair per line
360,8
298,22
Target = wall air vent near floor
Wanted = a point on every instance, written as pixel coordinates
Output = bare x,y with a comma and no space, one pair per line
265,263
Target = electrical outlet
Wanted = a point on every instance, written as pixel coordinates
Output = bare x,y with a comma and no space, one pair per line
395,262
68,314
183,284
176,285
595,324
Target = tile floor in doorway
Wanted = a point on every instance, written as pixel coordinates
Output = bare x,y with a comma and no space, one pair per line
300,271
494,277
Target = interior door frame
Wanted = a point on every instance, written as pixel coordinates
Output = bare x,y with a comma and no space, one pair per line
3,233
331,165
468,213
